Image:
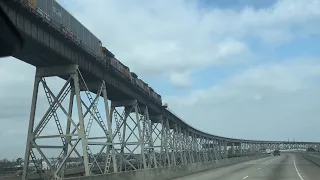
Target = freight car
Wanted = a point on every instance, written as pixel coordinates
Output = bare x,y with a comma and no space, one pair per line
106,52
145,88
127,73
53,11
134,76
106,55
139,83
153,94
117,66
159,99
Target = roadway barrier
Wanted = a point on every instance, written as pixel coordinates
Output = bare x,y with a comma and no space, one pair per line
312,156
167,173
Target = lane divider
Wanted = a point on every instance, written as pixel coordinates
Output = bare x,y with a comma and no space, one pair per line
245,177
295,166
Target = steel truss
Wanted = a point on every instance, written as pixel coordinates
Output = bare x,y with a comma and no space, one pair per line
72,142
129,138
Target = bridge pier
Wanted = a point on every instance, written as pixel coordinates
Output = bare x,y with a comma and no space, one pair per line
135,121
40,131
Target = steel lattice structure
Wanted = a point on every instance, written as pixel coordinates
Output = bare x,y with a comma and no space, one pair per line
90,138
130,138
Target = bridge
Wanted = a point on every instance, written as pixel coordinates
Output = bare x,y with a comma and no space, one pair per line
141,138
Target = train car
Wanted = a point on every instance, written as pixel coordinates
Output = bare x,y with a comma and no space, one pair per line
134,76
61,16
31,3
139,83
153,94
107,53
101,49
121,68
114,63
146,88
127,72
42,14
159,99
117,66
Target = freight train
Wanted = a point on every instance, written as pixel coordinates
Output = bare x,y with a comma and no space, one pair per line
52,12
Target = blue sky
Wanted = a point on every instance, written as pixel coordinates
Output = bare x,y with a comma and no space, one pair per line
239,68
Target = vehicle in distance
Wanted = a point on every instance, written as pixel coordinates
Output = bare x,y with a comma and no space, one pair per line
276,152
268,151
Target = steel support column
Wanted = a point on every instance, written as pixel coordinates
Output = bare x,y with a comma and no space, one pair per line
37,128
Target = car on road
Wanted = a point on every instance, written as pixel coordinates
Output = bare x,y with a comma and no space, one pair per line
276,152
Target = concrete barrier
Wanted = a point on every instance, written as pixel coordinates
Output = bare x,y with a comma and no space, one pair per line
168,172
313,157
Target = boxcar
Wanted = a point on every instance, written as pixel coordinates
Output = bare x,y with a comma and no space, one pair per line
61,16
159,99
153,94
127,72
146,88
139,82
134,76
107,53
114,63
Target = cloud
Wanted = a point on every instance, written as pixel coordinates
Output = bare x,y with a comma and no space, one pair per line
269,101
160,38
180,80
164,37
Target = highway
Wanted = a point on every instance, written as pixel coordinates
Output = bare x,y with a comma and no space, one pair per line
288,166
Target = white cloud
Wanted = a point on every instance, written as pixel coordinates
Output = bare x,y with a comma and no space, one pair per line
180,80
270,101
163,37
159,38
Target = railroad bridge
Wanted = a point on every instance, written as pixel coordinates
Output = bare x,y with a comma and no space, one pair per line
141,137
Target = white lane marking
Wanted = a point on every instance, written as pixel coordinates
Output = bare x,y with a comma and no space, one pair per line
295,166
245,177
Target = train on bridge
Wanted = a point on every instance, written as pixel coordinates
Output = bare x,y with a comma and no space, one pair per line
51,11
59,45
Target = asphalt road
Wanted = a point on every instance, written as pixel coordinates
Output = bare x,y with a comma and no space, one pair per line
285,167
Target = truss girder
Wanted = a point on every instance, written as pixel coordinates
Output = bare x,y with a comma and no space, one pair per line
75,142
130,138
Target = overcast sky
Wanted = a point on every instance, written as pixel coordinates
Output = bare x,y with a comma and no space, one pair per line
238,68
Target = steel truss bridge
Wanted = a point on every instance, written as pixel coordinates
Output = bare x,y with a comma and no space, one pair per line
137,134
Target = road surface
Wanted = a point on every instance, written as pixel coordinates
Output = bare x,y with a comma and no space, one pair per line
285,167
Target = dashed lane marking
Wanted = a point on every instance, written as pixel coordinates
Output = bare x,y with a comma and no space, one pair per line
245,177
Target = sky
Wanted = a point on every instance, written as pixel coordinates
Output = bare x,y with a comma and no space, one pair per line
239,68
